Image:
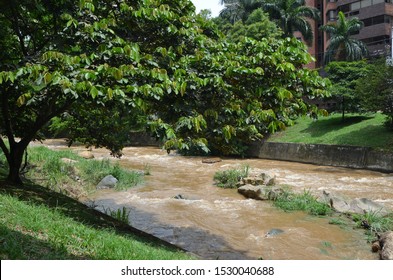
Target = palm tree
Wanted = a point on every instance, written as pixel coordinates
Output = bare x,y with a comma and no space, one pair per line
342,46
293,15
235,10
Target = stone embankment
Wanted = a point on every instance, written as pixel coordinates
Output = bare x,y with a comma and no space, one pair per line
330,155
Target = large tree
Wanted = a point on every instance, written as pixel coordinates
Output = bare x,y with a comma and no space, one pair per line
98,62
293,15
64,55
341,45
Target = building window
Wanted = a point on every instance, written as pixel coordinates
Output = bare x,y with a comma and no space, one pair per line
361,4
331,15
355,6
376,20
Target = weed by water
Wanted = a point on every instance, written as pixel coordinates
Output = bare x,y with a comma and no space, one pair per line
230,178
290,201
122,214
374,222
147,169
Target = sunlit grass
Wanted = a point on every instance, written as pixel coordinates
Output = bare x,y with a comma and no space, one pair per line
356,130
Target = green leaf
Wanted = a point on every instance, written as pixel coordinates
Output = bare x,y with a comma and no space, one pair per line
23,99
170,133
94,92
183,88
47,78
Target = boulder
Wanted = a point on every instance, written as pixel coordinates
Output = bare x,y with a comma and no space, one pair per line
273,232
364,205
268,179
254,192
255,181
86,155
343,204
259,192
109,182
337,202
386,243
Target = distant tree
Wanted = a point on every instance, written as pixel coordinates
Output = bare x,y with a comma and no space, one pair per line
376,90
293,15
341,45
235,10
206,14
344,77
257,26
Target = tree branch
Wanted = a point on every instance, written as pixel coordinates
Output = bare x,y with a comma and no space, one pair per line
7,117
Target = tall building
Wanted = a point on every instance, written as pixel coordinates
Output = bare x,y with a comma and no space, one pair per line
377,16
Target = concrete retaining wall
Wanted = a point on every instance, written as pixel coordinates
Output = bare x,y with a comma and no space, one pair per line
331,155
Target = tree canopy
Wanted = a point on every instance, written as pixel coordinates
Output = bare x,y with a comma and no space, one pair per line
257,26
235,10
100,63
345,76
377,93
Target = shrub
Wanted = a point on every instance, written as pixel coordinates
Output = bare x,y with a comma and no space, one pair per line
230,178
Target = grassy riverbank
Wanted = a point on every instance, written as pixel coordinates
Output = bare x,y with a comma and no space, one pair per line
356,130
41,222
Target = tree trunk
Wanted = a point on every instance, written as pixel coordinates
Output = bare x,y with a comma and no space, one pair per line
15,162
343,109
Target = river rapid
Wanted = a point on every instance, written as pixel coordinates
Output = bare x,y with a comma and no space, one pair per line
217,223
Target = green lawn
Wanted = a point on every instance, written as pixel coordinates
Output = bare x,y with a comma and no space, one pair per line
356,130
36,223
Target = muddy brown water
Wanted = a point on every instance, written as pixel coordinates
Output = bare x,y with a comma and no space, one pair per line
217,223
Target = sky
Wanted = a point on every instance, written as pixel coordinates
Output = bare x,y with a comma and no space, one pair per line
212,5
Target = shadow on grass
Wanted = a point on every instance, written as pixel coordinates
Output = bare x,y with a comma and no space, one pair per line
324,126
79,212
14,244
372,136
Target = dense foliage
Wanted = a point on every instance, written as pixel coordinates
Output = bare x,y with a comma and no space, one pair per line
377,93
104,63
344,77
257,26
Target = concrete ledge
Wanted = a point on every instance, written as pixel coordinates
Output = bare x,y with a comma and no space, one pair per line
330,155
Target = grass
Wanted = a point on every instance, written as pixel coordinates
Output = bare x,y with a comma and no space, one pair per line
229,179
374,223
355,130
290,201
77,178
37,223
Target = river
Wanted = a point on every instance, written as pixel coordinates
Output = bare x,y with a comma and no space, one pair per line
217,223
